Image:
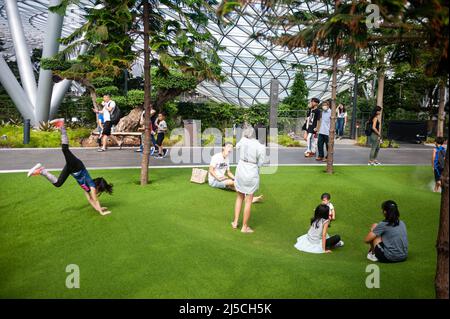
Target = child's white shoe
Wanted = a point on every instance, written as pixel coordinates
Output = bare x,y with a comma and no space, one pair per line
339,244
371,256
35,170
58,123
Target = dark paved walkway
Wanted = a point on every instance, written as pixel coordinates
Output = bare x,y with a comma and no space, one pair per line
23,159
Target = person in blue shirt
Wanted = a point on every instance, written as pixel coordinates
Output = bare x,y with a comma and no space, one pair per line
100,122
438,161
92,188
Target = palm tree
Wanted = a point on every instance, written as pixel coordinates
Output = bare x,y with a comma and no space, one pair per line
175,46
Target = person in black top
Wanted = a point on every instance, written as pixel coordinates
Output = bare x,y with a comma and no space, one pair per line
375,136
310,126
92,187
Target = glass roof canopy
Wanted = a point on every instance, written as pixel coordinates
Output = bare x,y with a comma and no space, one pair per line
248,75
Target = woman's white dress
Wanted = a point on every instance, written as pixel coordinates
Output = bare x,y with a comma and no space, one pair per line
251,158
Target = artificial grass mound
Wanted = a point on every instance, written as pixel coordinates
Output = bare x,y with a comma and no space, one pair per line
173,239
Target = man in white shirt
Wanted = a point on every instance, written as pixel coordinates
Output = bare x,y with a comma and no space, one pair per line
220,175
108,108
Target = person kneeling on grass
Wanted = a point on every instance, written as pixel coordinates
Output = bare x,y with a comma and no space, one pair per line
317,240
76,168
388,239
220,175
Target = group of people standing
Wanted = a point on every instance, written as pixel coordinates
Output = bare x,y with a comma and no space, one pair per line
107,117
317,127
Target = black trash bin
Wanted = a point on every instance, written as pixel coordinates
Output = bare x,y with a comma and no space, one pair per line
407,131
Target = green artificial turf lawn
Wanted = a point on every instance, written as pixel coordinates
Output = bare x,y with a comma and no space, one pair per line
173,239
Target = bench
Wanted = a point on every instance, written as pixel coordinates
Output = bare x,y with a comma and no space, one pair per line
122,135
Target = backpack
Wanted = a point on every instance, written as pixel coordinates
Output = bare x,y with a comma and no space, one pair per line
115,115
368,129
441,159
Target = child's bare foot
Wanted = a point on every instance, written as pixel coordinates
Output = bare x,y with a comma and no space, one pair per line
234,225
257,199
105,212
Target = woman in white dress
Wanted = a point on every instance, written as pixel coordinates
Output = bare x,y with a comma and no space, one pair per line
251,158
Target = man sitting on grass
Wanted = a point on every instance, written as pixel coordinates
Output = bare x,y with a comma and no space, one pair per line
220,175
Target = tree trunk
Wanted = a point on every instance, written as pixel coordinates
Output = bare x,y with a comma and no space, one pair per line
330,153
93,96
441,279
147,96
441,111
380,89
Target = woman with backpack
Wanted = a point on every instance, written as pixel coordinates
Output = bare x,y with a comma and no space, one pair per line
438,162
373,133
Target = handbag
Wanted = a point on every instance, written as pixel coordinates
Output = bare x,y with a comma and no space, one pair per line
199,175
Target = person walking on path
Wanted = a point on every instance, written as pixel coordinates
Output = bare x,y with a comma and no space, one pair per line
108,108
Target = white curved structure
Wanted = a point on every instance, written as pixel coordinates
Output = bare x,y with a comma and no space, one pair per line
248,63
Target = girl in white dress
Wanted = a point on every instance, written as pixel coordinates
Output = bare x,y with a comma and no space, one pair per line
251,158
317,240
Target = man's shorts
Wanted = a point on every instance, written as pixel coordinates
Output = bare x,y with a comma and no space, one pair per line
159,139
217,184
437,174
107,128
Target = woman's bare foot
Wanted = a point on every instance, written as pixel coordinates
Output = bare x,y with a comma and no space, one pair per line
105,212
246,230
234,225
258,199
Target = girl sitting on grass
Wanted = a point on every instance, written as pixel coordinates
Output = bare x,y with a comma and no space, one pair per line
75,167
317,240
388,239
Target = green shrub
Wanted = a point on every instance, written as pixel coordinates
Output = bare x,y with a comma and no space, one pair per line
112,90
38,139
102,81
287,141
362,142
430,140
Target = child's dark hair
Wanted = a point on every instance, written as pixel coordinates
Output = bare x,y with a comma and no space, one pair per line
392,213
315,100
325,195
102,186
321,212
440,140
